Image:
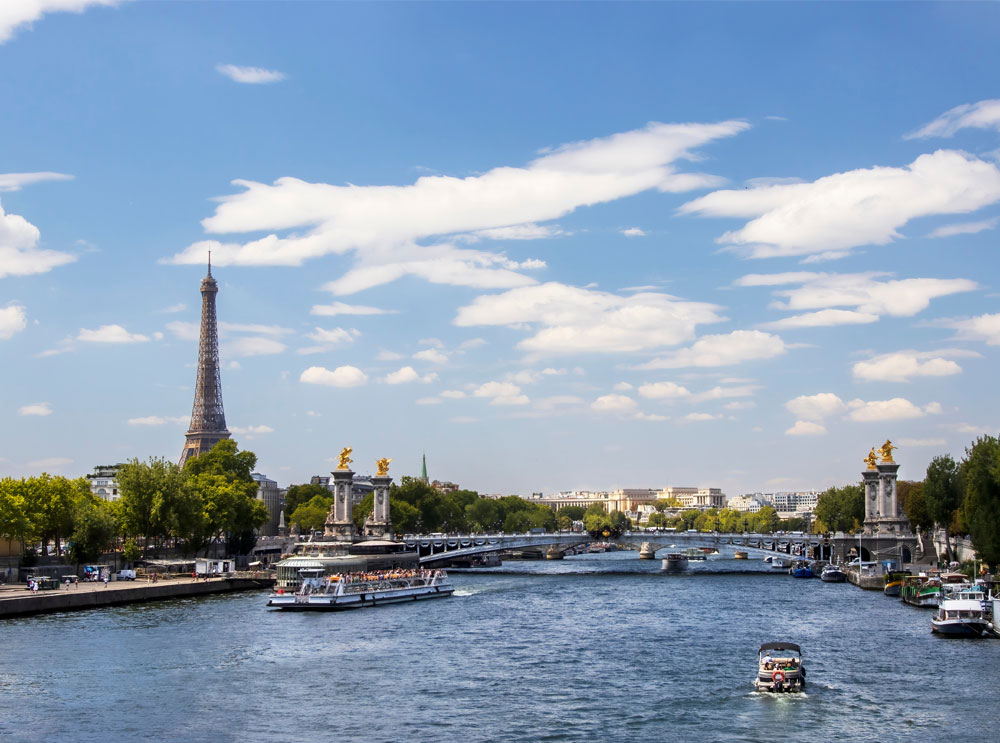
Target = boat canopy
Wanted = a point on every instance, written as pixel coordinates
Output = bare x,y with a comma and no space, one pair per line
781,646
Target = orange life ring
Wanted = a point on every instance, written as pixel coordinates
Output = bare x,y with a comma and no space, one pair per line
778,677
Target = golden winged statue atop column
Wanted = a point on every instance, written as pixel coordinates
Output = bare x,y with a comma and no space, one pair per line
886,452
345,458
383,466
871,459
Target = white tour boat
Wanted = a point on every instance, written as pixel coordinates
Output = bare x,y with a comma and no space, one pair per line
779,668
960,611
321,592
674,561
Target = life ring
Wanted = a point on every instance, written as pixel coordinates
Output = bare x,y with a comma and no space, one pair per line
778,677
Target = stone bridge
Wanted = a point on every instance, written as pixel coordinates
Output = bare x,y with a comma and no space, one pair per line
436,548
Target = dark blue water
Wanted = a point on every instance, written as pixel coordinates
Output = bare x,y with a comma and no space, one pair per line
594,648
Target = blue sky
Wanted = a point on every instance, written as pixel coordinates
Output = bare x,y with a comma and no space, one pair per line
553,246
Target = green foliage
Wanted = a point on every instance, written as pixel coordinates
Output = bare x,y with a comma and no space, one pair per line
482,515
94,530
914,505
840,509
312,514
363,510
943,494
296,495
131,551
981,478
149,494
573,513
601,525
658,520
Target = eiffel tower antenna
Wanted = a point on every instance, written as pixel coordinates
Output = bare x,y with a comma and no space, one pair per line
208,419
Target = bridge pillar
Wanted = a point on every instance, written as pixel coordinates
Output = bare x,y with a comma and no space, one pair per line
338,523
647,551
554,553
378,524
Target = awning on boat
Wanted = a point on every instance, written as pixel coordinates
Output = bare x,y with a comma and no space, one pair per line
781,646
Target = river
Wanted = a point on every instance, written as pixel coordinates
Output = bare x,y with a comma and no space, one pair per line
591,648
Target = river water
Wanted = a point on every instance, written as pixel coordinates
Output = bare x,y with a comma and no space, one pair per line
591,648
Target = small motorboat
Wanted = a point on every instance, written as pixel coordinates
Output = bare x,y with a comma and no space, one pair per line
833,574
894,583
741,555
780,668
802,569
960,611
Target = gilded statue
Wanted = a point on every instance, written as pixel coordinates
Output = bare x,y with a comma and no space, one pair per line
383,466
871,459
345,458
886,452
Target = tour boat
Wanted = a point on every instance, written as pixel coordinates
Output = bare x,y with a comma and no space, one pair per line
321,592
674,561
801,569
780,563
833,574
780,668
960,611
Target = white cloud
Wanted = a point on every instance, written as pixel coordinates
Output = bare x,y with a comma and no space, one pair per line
408,374
722,350
463,419
816,407
385,227
614,404
17,13
575,320
555,402
19,253
432,342
388,356
528,231
651,417
698,417
806,428
250,75
985,328
501,393
313,414
663,391
13,320
251,346
634,232
740,405
110,334
822,319
898,408
453,394
725,393
174,308
157,420
980,115
428,401
341,308
36,408
329,339
830,216
901,366
965,228
16,181
471,343
250,430
923,442
867,293
623,387
342,376
431,355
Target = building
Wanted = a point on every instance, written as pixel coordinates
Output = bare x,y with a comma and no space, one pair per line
698,498
268,492
103,481
208,419
747,503
788,504
444,487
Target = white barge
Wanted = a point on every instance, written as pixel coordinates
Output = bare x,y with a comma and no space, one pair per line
321,592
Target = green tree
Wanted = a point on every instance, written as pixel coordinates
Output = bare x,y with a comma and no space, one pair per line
149,492
51,504
14,522
483,515
981,479
841,509
911,500
573,513
405,517
943,494
689,517
730,520
94,530
296,495
312,514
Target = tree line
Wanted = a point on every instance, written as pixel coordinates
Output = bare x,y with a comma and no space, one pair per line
961,497
212,499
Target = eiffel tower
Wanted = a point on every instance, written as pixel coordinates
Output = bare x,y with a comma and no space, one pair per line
208,419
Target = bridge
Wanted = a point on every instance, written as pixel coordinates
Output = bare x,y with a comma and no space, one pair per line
438,548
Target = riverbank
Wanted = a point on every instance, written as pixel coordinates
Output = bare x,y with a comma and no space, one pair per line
16,601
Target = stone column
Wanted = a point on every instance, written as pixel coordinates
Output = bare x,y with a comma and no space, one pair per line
338,523
871,484
379,523
889,500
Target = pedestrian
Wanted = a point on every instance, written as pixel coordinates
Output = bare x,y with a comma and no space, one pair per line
105,580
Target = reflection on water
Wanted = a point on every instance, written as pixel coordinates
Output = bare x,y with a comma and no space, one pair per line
591,648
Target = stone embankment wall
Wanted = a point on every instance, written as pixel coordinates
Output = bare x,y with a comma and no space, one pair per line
116,594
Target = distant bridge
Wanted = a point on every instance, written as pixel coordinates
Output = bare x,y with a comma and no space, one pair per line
436,548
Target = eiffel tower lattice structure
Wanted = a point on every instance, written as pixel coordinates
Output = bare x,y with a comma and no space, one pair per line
208,419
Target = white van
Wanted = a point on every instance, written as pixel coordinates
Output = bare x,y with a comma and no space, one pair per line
125,575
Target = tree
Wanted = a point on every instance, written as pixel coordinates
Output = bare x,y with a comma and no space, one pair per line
296,495
943,494
981,478
149,492
14,521
573,513
94,530
911,500
312,514
51,503
482,515
841,509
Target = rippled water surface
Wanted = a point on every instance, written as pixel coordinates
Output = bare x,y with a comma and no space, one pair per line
594,648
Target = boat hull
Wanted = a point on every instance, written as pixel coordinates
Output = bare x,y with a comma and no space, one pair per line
958,628
297,602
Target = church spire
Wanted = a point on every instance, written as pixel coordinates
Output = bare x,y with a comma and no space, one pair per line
423,470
